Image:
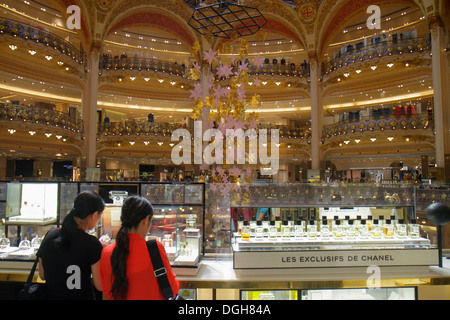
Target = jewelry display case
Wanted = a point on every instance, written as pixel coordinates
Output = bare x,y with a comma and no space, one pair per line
29,210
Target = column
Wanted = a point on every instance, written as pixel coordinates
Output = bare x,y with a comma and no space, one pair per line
89,113
441,94
316,114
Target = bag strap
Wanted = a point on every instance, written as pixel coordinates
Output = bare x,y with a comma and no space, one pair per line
33,269
159,269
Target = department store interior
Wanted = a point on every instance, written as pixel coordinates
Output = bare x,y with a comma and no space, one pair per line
95,99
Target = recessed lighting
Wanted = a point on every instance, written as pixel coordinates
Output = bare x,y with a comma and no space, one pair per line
160,143
48,135
32,52
390,65
13,47
48,57
32,132
390,138
373,139
358,71
373,67
11,131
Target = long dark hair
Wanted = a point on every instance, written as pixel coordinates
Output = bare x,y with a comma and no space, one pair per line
85,204
134,210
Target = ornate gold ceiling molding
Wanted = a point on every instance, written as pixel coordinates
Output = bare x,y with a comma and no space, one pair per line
170,15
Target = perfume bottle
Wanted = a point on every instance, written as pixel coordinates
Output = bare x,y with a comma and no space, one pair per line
381,220
388,229
191,222
351,230
311,230
240,223
325,230
252,227
259,235
245,231
363,230
369,221
278,224
291,223
273,230
413,229
36,242
357,223
375,230
333,223
337,230
299,228
167,241
285,230
345,222
400,229
393,220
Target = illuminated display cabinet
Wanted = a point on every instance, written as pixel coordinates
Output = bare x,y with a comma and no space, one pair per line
29,210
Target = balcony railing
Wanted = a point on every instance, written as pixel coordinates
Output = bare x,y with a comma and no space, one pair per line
357,52
142,128
27,32
141,64
412,122
37,115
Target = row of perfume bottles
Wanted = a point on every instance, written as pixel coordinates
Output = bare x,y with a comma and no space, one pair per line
350,229
23,245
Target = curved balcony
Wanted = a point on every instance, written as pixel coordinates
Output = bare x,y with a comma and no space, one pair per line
41,116
141,64
358,53
30,33
142,128
412,122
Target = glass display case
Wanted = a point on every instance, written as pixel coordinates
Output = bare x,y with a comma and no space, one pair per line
404,293
177,219
31,203
29,210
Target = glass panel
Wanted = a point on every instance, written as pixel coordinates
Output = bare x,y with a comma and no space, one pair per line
269,295
360,294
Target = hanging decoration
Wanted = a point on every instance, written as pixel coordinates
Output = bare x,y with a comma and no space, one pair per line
226,19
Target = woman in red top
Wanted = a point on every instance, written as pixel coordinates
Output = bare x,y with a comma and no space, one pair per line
126,270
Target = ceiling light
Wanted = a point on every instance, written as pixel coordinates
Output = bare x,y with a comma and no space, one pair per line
264,82
358,71
171,144
132,78
32,132
11,131
390,65
357,141
173,83
160,143
390,138
278,83
161,80
147,79
13,47
346,74
132,143
373,67
32,52
373,139
60,63
48,135
146,143
347,142
48,57
58,137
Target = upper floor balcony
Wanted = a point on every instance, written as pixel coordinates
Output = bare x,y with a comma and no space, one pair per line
38,35
359,52
379,123
40,117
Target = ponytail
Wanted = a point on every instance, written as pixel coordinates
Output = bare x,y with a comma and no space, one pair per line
85,204
134,210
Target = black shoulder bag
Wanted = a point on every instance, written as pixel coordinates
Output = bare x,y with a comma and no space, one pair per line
160,271
30,291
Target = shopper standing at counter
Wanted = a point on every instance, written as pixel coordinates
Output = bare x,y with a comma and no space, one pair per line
69,256
126,270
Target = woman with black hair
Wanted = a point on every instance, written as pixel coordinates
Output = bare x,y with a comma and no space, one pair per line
126,270
69,256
